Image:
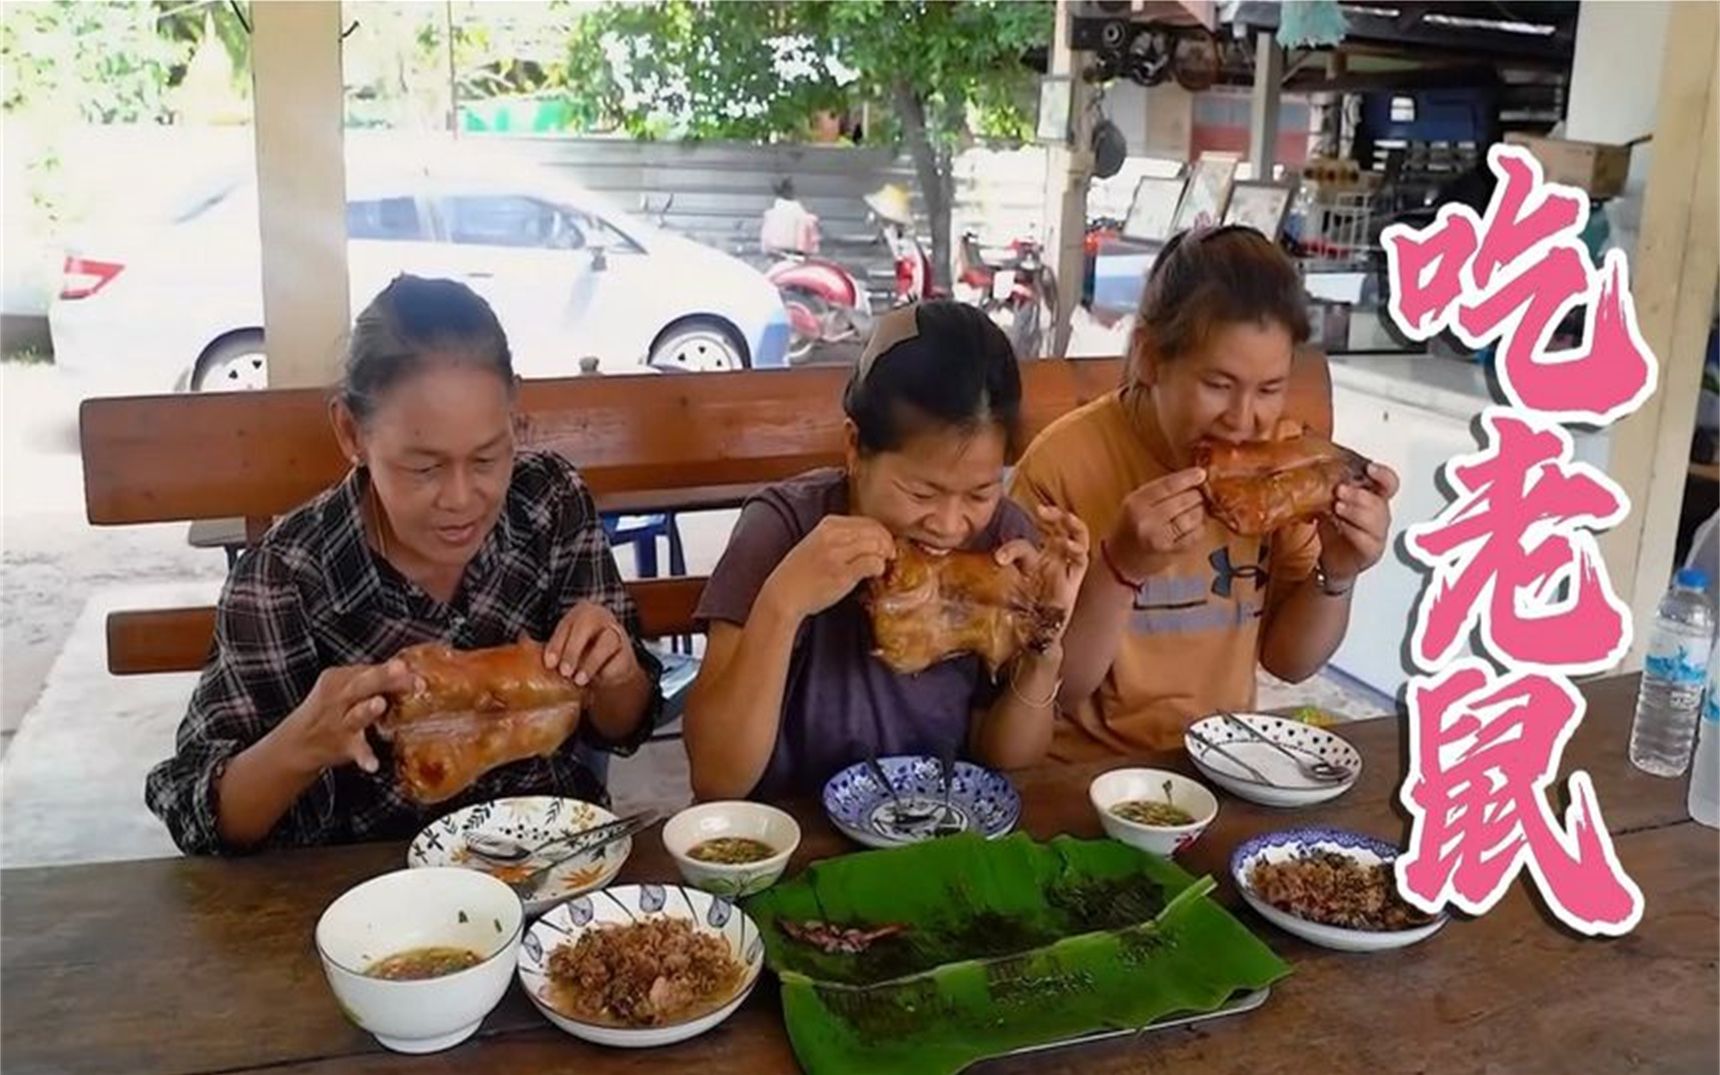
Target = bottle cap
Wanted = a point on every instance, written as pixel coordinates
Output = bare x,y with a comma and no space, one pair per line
1692,577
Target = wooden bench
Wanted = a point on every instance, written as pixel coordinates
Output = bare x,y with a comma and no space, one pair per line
640,441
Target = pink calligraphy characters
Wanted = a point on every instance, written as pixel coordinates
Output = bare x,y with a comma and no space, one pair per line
1484,751
1514,557
1510,538
1510,277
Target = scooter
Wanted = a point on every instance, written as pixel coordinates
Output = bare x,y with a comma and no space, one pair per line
827,304
892,212
1017,288
824,302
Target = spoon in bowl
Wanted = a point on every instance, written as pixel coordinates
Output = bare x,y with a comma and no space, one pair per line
505,850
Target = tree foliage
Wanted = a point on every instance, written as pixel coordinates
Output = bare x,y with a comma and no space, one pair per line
100,62
757,71
108,62
944,71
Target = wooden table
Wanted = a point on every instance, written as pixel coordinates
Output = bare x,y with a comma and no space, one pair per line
184,966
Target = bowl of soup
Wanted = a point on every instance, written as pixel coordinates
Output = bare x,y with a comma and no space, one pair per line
419,957
731,849
1155,810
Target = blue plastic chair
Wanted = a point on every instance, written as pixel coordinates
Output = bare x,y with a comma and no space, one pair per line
641,533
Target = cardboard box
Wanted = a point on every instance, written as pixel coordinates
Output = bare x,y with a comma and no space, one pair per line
1598,169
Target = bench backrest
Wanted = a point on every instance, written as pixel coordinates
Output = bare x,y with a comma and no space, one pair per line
258,455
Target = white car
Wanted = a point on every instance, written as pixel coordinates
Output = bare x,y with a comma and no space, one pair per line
158,307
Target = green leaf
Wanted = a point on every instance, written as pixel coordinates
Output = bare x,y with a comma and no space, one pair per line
1009,943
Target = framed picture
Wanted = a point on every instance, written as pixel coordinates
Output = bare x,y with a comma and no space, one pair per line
1261,204
1203,203
1056,99
1154,208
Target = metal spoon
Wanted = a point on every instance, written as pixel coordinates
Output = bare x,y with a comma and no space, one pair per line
1223,753
903,816
528,884
1320,770
950,823
505,850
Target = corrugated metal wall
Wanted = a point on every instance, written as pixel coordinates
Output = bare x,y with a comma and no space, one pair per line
719,191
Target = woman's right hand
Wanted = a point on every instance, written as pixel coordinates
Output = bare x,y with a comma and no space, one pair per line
328,728
1159,519
828,563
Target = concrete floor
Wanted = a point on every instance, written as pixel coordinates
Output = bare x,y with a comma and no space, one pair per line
77,741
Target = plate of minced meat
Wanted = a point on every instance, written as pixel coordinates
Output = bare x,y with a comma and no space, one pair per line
640,965
1331,887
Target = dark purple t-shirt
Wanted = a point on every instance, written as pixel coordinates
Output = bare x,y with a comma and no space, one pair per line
841,704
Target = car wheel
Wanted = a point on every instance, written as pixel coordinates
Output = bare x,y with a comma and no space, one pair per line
236,364
698,346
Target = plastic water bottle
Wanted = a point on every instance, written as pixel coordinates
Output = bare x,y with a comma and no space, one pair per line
1672,677
1704,798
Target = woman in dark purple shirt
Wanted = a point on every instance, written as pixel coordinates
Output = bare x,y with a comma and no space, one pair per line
789,691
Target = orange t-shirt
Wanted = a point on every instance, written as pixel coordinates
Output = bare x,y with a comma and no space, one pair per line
1193,641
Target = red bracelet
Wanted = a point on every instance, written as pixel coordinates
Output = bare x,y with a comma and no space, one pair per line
1116,572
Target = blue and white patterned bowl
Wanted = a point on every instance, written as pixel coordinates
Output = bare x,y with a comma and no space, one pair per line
981,801
1292,843
619,906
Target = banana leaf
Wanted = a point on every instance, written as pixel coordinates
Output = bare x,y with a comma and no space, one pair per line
1007,944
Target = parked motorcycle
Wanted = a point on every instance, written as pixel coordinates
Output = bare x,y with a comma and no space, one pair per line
893,213
825,303
1017,288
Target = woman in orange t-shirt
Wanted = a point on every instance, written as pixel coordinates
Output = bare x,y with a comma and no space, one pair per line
1179,613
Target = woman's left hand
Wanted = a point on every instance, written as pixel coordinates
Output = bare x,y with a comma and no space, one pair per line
591,647
1353,537
1058,565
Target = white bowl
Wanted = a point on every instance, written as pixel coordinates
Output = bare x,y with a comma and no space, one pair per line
1286,784
1122,785
420,908
1279,846
707,821
624,904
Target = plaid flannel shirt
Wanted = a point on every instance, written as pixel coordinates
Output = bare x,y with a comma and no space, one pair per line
313,595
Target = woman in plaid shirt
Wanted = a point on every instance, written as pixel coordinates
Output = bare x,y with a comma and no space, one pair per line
441,531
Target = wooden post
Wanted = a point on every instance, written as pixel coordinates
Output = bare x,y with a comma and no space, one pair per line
1673,274
1263,104
301,187
1067,172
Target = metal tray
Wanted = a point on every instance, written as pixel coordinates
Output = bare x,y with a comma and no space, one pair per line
1247,1002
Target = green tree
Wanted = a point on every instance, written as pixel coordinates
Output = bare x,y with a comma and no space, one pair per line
946,70
95,62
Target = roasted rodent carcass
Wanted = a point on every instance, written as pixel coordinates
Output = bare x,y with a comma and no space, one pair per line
475,710
1255,487
930,606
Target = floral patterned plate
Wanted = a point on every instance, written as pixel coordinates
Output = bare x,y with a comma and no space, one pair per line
531,820
626,904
